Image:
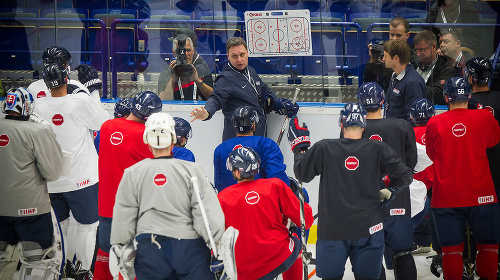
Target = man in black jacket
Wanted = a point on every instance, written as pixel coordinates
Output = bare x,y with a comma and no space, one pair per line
435,69
240,85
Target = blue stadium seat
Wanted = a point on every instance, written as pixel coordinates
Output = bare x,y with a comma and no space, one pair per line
18,38
311,5
348,7
212,36
401,7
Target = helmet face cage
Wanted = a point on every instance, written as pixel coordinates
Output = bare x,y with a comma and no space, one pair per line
145,104
421,111
246,160
244,118
18,100
457,89
371,95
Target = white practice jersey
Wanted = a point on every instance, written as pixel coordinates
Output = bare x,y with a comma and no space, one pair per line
71,117
39,89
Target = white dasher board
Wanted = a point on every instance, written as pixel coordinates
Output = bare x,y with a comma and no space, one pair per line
278,33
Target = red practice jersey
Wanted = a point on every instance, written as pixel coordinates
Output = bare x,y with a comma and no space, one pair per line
427,175
121,146
256,209
456,142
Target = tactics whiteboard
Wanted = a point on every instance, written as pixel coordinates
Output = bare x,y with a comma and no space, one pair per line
278,33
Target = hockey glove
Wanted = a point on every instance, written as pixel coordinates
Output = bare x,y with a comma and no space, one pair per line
387,195
284,106
88,76
298,136
267,103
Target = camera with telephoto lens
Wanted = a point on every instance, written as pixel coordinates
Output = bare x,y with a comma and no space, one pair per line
182,68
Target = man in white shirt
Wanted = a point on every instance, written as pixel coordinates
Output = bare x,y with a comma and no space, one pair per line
72,116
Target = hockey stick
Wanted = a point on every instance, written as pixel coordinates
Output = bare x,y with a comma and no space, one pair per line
306,256
194,181
285,123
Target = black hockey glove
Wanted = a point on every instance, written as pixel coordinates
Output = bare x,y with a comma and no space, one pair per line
298,136
88,76
267,103
284,106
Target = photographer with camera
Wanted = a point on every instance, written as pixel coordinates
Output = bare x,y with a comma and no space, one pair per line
375,70
188,76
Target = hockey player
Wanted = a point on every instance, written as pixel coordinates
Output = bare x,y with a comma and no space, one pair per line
479,72
60,56
244,121
463,189
399,135
30,156
256,208
72,116
183,132
350,170
121,147
156,206
240,85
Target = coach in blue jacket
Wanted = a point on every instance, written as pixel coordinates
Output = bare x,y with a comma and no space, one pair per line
239,85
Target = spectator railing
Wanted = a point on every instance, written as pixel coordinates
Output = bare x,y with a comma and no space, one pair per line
84,20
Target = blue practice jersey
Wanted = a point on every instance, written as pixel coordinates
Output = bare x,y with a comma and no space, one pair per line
182,153
271,165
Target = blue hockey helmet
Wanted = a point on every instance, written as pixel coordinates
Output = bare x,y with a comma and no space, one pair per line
182,129
55,54
55,75
353,114
480,69
371,96
457,89
421,111
18,100
246,160
123,107
244,118
145,104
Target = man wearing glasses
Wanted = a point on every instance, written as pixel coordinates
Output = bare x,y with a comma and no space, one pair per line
434,68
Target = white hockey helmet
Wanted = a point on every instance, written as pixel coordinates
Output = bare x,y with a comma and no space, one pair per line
160,131
18,100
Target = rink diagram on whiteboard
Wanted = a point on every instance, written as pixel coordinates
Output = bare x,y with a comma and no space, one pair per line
278,33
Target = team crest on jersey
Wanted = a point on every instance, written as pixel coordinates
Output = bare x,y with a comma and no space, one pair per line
41,94
116,138
351,163
396,91
160,180
459,130
237,147
376,137
376,228
4,140
57,119
252,197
